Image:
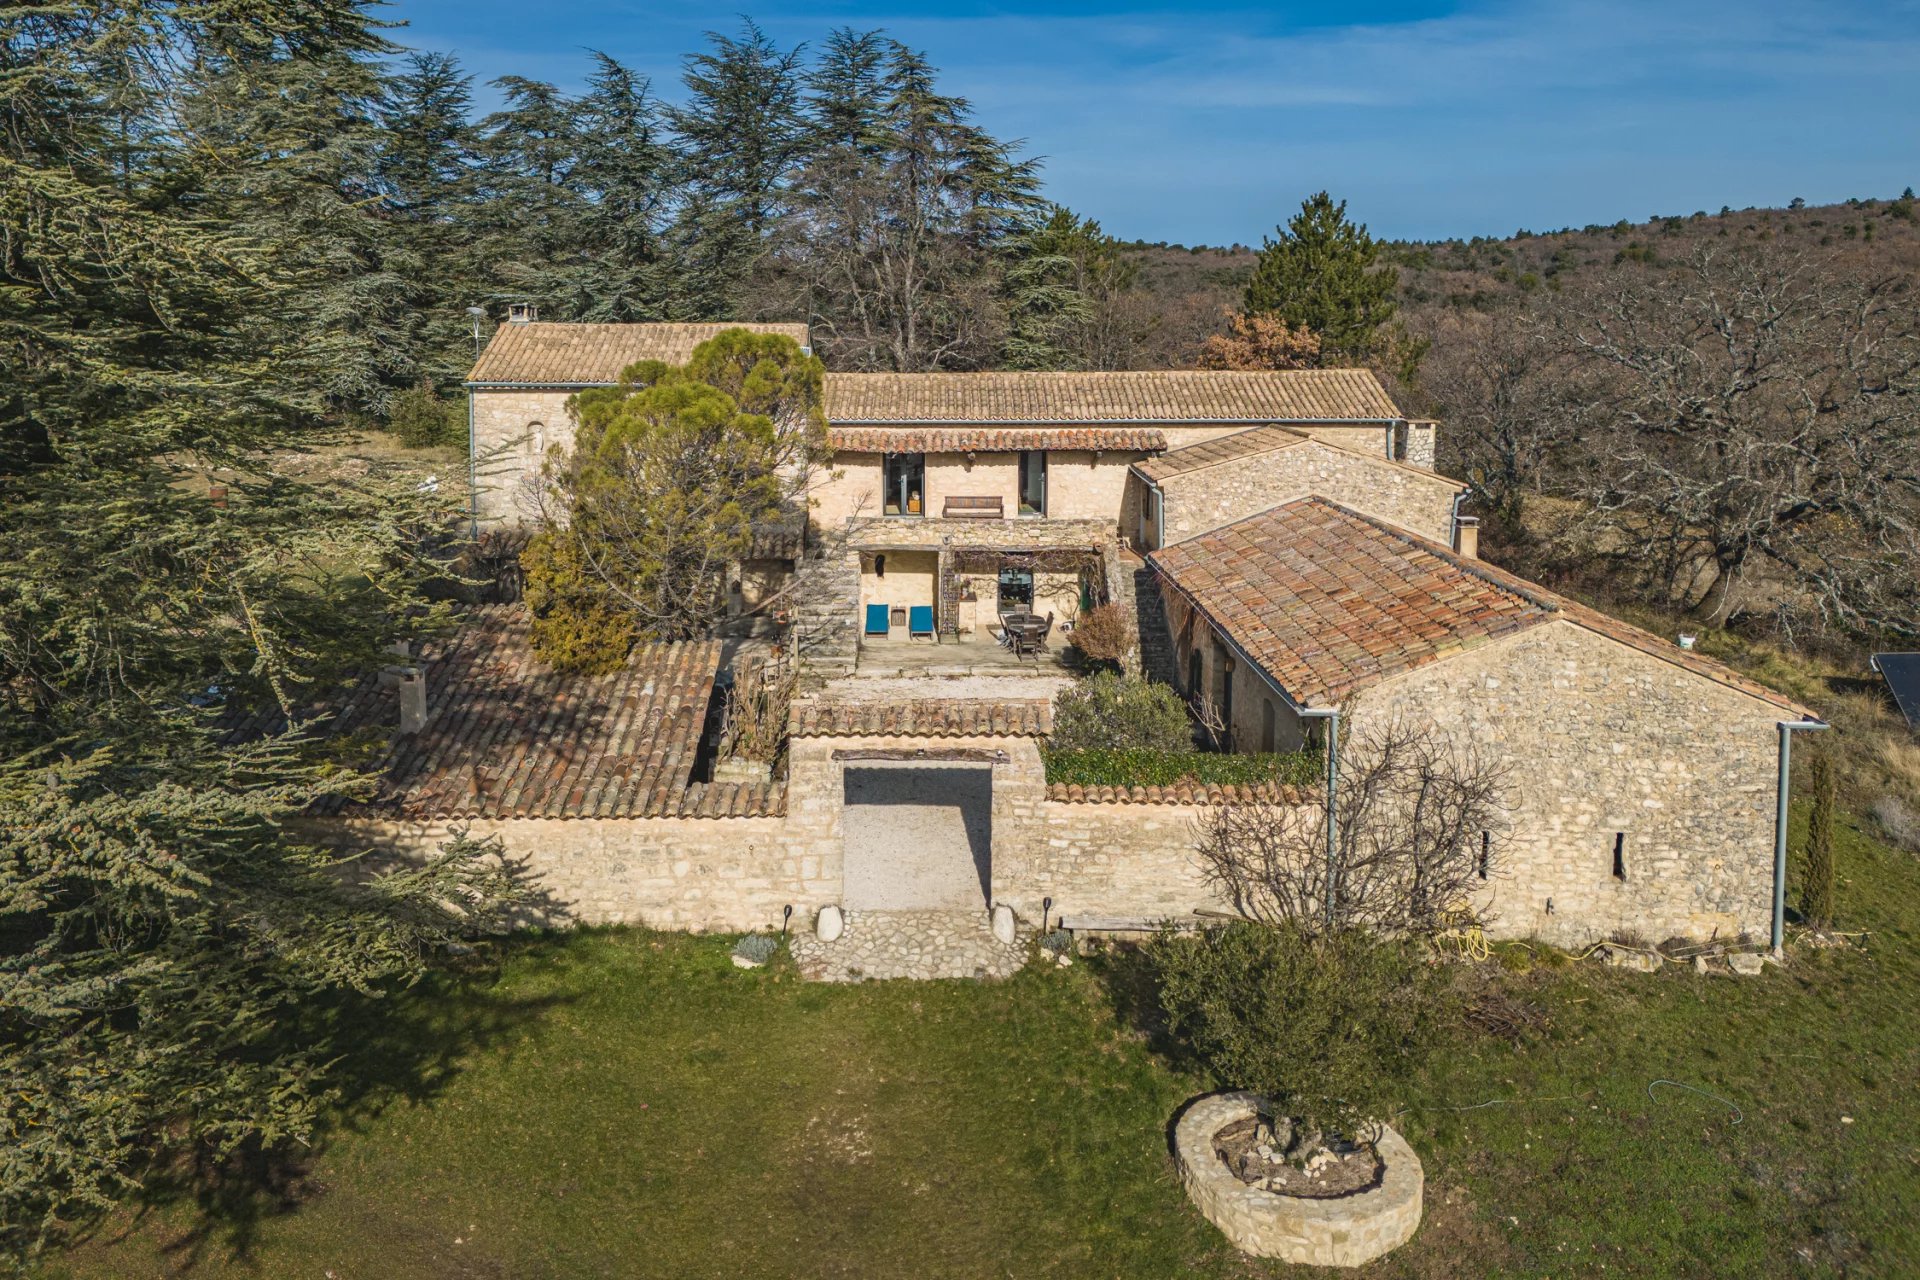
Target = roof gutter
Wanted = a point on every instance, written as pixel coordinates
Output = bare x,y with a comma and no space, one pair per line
1787,729
1107,422
535,386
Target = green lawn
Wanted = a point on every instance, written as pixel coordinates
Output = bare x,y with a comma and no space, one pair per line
627,1104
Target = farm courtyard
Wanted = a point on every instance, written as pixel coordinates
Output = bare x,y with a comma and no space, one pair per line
628,1103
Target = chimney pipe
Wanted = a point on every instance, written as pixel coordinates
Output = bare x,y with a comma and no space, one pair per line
1467,537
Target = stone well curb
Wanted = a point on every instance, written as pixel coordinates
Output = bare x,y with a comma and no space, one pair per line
1342,1232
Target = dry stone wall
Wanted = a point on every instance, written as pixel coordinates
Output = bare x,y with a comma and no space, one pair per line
1599,741
1202,500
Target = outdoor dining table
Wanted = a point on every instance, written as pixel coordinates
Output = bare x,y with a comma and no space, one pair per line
1021,628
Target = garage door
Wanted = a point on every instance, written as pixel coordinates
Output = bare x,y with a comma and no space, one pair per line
918,837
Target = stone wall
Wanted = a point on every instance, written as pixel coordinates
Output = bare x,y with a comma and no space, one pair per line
1596,739
1255,704
512,432
669,873
1204,500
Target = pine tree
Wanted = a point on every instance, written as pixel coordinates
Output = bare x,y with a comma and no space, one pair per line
165,929
1816,894
1324,272
743,134
425,169
1066,283
893,240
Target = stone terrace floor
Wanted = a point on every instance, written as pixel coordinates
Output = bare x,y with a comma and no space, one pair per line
909,944
980,655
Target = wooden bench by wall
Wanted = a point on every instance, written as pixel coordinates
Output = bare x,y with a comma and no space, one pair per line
984,508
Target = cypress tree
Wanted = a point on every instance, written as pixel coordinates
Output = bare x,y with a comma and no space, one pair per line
1816,895
1324,272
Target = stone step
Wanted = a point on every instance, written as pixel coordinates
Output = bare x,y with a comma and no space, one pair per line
1150,619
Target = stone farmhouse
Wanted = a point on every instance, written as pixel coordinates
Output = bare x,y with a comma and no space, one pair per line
1290,556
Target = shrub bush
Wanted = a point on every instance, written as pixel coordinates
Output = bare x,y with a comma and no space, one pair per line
421,419
1103,633
1110,712
1099,767
758,948
1330,1030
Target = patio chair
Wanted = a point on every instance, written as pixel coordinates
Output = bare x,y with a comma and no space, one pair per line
920,622
877,620
1041,633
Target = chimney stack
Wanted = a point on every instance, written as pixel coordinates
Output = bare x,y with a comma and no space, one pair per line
1466,536
413,699
522,312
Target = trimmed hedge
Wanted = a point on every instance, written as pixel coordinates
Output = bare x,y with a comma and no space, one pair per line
1104,767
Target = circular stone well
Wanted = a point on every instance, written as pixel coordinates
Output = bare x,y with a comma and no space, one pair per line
1344,1231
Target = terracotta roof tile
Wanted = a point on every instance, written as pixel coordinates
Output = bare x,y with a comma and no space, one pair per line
923,718
990,440
508,737
1045,399
580,355
1328,601
1185,793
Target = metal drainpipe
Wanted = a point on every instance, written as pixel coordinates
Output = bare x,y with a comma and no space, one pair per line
1453,520
1332,717
473,475
1787,729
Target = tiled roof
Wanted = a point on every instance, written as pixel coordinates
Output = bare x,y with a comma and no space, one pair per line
1184,793
579,355
1328,601
508,737
1236,447
1183,395
923,718
990,440
1252,443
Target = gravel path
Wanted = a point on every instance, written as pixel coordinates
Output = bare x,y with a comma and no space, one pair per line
909,944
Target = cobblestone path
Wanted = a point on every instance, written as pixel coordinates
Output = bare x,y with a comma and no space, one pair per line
909,944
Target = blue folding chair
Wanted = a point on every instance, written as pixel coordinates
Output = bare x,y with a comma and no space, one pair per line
920,622
877,620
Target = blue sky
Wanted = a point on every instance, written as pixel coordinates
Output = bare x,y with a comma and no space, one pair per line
1430,119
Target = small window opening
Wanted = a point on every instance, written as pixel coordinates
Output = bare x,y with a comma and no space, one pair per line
1486,853
1619,855
879,566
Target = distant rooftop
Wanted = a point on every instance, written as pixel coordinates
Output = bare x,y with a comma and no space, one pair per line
539,353
1161,396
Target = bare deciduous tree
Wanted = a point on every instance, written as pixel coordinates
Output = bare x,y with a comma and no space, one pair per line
1756,412
1418,828
1495,380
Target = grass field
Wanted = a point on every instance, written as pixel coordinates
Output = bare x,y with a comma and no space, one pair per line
628,1104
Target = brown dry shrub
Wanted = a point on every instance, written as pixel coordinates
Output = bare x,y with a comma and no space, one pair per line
1104,633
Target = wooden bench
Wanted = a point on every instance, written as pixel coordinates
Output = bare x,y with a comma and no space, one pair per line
983,508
